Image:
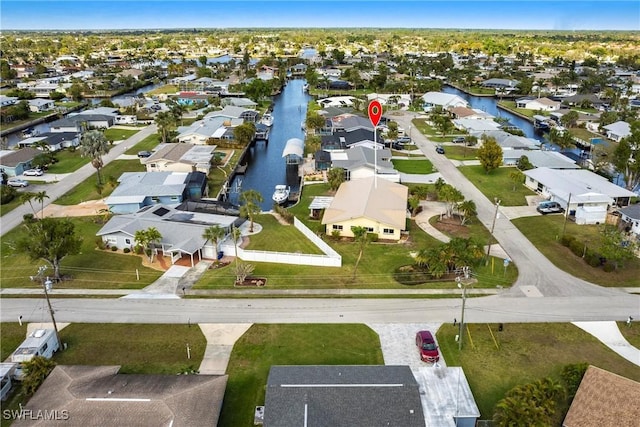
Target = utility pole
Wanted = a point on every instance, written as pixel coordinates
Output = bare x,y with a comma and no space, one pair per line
46,283
462,286
566,215
493,226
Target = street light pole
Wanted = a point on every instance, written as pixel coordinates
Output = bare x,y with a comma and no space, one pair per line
493,226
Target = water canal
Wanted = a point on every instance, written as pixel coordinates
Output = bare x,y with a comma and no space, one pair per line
266,166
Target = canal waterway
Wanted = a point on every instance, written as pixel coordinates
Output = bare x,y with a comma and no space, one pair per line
266,166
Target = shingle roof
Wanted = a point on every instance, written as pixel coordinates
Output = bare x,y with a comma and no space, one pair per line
100,396
632,211
19,156
184,153
604,399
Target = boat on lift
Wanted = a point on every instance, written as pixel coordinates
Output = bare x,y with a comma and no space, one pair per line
267,119
281,194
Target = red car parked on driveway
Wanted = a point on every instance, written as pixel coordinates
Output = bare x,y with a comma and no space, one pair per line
427,347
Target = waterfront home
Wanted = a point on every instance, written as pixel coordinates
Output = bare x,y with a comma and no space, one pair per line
136,190
336,101
469,113
401,100
41,105
618,130
539,159
350,122
239,102
233,112
14,162
476,126
180,158
55,141
501,84
339,140
378,205
431,100
537,104
508,141
630,219
201,131
363,162
181,231
584,195
7,101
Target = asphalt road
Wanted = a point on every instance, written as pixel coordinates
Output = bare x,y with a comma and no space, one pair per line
55,190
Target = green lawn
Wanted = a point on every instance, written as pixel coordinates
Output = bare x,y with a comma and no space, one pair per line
147,144
86,190
68,161
91,269
265,345
115,134
544,232
276,237
170,89
8,207
527,352
497,184
631,333
511,105
12,335
461,152
413,166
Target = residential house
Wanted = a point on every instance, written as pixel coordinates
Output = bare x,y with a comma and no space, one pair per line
132,72
585,195
180,158
539,159
351,395
97,118
7,101
402,100
590,100
41,105
475,126
337,101
378,205
618,130
191,98
630,219
508,141
502,84
604,399
342,139
350,122
537,104
363,162
431,100
55,140
210,127
139,189
181,231
14,162
469,113
84,395
239,102
231,112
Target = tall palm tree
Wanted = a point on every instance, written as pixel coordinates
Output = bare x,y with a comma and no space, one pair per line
40,196
153,236
250,200
94,145
236,234
28,196
466,209
214,233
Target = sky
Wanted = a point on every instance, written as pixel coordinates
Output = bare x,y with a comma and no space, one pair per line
479,14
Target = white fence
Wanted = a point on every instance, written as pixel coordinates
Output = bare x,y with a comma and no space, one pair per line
330,258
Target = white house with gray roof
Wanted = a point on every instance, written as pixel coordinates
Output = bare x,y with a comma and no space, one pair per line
585,195
181,230
210,127
618,130
508,141
539,158
431,100
363,162
630,217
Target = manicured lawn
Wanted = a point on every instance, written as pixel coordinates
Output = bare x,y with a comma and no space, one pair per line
265,345
91,269
276,237
115,134
413,166
164,89
632,333
461,152
147,144
138,348
8,207
497,184
544,232
86,190
68,161
527,352
511,105
12,335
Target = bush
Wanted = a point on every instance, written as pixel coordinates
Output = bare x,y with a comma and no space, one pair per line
126,250
335,234
7,194
566,240
577,247
373,237
608,267
114,248
100,243
138,249
28,217
592,258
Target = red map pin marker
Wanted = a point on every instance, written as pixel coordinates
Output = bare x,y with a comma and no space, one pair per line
375,112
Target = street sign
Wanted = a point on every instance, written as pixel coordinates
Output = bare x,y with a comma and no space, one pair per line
375,112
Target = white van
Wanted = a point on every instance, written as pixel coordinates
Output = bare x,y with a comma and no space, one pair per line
41,342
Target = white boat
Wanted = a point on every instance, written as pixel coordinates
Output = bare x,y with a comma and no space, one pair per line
281,194
267,119
305,88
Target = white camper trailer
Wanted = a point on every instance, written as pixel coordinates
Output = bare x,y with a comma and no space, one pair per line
41,342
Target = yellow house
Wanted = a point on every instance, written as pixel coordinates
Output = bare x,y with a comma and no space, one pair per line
380,207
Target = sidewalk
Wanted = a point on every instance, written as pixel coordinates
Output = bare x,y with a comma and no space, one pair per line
609,334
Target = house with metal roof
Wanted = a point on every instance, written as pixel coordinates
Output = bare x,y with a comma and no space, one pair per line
538,104
497,83
180,158
630,219
363,162
378,205
293,152
54,140
618,130
201,131
100,395
139,189
181,231
586,196
539,159
508,141
39,105
431,100
233,112
353,395
336,101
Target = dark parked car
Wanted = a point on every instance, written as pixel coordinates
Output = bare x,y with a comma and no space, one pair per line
440,149
142,154
458,140
549,207
427,347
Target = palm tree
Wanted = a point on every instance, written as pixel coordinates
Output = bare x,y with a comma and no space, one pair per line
250,205
517,177
215,233
153,236
236,234
466,209
40,196
28,196
94,145
166,122
361,236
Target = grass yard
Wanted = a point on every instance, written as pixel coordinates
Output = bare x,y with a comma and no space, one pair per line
147,144
8,207
265,345
170,89
12,335
413,166
511,105
91,269
497,184
527,352
544,233
276,237
86,190
461,152
68,161
115,134
631,333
